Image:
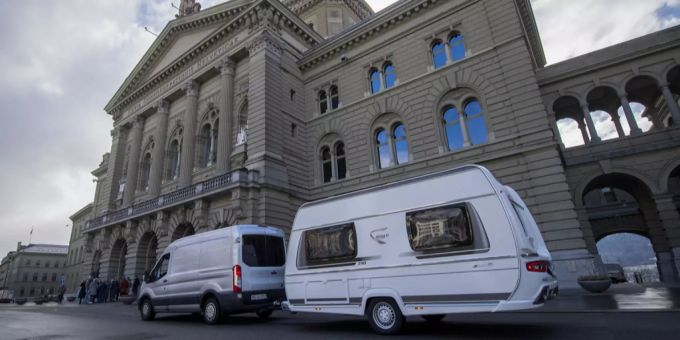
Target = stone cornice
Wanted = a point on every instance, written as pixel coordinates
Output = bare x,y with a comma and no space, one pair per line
269,10
380,23
360,7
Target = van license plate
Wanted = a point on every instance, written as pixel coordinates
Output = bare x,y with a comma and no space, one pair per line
258,297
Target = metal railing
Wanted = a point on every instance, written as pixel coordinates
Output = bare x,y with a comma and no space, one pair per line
196,190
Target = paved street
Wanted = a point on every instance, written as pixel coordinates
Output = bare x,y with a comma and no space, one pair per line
117,321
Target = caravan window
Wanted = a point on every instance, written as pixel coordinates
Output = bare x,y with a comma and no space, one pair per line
440,229
330,245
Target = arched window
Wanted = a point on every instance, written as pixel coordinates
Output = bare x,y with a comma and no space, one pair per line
390,75
400,143
208,145
474,120
340,163
146,171
323,102
376,83
335,98
438,54
326,164
452,128
383,144
457,46
174,156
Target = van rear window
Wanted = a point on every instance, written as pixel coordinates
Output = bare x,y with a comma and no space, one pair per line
263,251
329,246
440,229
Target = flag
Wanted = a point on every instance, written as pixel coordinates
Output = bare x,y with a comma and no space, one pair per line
31,233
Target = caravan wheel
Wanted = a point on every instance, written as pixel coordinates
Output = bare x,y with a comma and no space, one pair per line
385,316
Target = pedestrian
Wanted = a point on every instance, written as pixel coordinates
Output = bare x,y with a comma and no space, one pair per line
124,286
82,292
101,291
113,290
135,286
62,290
92,291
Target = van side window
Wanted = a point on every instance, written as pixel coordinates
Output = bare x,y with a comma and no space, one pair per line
440,229
329,246
161,268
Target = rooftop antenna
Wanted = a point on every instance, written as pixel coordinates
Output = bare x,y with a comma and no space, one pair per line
148,30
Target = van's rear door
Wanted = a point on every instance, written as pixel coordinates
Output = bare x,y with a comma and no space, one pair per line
262,261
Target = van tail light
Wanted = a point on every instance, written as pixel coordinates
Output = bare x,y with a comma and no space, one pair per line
537,266
236,271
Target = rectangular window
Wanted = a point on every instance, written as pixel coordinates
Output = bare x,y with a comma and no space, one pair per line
329,246
442,229
263,251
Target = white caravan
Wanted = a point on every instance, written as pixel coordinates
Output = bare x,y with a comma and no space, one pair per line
457,241
230,270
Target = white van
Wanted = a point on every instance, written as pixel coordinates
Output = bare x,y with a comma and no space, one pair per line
230,270
450,242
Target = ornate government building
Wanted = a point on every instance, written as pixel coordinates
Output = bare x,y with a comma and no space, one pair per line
241,112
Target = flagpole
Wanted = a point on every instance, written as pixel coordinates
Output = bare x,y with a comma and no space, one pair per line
30,235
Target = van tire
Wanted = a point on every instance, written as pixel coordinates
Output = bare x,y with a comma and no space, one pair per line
433,317
385,316
146,310
211,311
264,314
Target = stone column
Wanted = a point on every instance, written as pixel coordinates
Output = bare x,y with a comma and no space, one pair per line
630,117
462,121
449,56
670,219
189,135
671,104
224,139
591,126
158,157
617,123
133,161
584,133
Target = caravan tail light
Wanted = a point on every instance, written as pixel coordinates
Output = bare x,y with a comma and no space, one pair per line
236,271
537,266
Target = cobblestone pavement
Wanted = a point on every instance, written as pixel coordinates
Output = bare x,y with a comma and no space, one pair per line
117,321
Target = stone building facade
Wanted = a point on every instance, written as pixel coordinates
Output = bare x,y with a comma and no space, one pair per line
33,270
241,112
76,271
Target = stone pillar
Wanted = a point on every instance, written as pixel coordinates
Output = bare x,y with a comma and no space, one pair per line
617,123
462,121
630,117
591,126
224,139
671,104
584,133
158,157
186,171
670,220
115,169
133,161
449,57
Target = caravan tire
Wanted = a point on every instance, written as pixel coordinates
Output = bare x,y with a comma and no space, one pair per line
146,310
211,311
385,316
433,317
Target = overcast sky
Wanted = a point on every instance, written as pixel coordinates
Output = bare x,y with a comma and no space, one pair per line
62,60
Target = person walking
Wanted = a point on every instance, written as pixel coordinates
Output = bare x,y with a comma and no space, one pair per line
124,286
82,292
62,291
113,290
135,286
92,292
101,291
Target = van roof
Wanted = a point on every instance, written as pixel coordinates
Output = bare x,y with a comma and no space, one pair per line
479,181
234,231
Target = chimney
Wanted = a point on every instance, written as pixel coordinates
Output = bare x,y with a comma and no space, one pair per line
18,246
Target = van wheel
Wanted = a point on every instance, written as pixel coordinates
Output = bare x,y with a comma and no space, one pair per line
433,317
264,314
385,316
146,310
211,311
